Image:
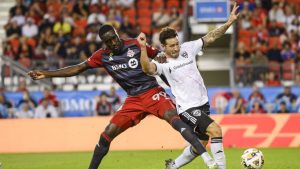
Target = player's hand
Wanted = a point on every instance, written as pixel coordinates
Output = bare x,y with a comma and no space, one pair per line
161,58
36,75
142,39
234,14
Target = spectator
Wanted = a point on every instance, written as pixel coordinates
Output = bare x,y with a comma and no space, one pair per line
160,18
96,17
287,53
259,61
49,96
30,29
80,9
26,98
236,103
25,111
276,13
287,96
6,108
3,108
128,28
22,86
272,80
274,53
45,110
256,95
257,108
63,25
283,108
114,99
12,30
19,6
103,107
19,18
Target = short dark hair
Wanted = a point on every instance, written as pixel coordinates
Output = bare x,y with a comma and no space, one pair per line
167,33
104,28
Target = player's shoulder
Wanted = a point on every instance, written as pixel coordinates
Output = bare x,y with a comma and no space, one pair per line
131,41
100,52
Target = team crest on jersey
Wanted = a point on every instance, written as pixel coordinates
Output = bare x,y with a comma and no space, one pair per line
184,54
133,63
110,58
196,113
130,53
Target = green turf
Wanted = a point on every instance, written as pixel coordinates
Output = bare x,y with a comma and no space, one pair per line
274,159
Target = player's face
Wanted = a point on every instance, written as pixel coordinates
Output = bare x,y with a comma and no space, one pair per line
172,47
112,41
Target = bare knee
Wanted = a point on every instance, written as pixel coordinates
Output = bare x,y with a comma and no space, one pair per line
214,130
112,130
169,114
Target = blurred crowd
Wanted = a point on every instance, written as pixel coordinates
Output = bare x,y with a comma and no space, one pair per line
50,34
268,45
49,106
257,103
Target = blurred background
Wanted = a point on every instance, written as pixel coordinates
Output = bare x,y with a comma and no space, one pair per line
252,74
253,68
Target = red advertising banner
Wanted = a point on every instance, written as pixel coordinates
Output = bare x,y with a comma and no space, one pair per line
81,134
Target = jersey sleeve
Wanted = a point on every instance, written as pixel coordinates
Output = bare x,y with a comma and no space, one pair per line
152,52
159,67
195,46
95,60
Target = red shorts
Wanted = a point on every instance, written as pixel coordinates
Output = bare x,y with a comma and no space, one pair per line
154,101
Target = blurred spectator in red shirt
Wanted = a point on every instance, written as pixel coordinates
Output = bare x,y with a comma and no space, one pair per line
257,108
272,80
48,95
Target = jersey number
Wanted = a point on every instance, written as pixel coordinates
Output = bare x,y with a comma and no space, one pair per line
158,95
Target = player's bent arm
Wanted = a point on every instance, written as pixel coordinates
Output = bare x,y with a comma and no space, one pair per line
147,66
63,72
211,36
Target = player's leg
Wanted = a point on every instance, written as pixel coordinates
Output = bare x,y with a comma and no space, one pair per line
121,121
162,107
101,149
189,153
215,132
207,126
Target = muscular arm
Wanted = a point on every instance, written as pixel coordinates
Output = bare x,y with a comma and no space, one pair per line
211,36
63,72
147,66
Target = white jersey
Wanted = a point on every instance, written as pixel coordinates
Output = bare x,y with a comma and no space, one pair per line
184,77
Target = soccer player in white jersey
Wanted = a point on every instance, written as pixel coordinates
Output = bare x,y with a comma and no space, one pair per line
188,87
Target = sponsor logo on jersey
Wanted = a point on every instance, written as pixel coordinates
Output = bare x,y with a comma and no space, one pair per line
133,63
184,54
183,64
119,66
130,53
196,113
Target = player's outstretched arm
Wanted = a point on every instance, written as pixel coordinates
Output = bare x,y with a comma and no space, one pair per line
147,66
211,36
63,72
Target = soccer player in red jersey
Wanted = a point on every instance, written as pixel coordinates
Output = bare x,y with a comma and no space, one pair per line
121,59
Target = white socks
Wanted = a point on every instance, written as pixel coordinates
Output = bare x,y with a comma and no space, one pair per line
217,151
185,157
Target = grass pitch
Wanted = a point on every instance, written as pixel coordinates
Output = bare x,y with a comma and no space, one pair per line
283,158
